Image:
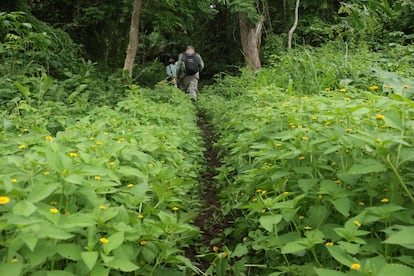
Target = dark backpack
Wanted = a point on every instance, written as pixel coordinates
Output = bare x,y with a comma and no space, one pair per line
191,64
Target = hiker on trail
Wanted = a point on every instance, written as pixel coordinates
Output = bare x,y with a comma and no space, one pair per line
170,71
188,69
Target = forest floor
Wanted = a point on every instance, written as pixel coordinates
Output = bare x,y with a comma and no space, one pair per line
210,219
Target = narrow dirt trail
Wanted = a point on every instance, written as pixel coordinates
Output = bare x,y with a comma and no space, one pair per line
209,219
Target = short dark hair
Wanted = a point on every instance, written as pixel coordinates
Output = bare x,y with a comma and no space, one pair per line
190,47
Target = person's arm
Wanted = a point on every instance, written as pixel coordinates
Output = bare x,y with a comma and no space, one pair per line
200,62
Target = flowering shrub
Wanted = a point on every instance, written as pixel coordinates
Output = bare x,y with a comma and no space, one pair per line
316,185
113,192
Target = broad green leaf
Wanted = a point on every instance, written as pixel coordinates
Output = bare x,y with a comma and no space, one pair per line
59,273
122,265
340,255
89,258
342,205
77,220
69,251
293,248
328,272
401,235
307,184
240,250
396,269
49,230
367,166
393,120
24,208
100,270
268,222
11,269
114,241
30,240
41,191
42,252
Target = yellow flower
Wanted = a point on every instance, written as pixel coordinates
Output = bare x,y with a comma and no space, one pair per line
355,266
405,86
373,87
379,117
264,192
4,199
150,165
320,196
286,193
329,244
343,90
73,154
54,210
92,139
140,216
338,181
14,260
175,208
301,158
327,89
391,87
103,207
245,239
299,126
328,123
130,185
103,240
143,243
347,99
13,180
361,203
112,163
385,86
46,173
357,223
99,143
22,147
313,117
225,254
301,217
307,228
48,138
215,248
259,190
278,145
385,200
348,130
305,138
97,177
53,203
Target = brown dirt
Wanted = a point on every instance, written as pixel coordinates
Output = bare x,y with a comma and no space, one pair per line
209,219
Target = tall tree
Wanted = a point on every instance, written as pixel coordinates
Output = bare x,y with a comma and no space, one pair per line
250,36
251,25
133,38
295,24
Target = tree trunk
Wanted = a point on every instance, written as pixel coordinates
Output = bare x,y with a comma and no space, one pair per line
133,38
251,35
295,24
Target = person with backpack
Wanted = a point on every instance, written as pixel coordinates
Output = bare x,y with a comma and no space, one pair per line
188,69
171,72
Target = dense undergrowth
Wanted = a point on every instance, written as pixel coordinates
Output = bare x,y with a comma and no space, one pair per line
97,177
315,184
101,177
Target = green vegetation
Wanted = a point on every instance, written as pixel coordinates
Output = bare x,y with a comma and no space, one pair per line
310,167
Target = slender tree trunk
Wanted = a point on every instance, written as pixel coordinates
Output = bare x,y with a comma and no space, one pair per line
251,35
295,24
133,38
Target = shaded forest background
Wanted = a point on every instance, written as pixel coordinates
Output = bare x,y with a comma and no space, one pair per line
100,28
